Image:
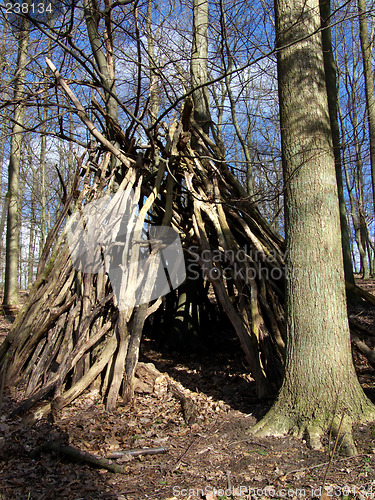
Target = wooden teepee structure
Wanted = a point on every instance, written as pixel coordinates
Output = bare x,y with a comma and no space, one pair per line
71,335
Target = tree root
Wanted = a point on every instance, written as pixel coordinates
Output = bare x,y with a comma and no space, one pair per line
278,424
272,425
342,430
314,435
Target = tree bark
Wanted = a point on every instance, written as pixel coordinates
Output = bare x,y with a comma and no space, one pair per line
154,87
369,84
199,64
105,62
31,252
320,384
43,194
10,300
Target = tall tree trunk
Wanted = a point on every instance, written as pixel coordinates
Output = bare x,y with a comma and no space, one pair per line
70,171
106,65
199,64
43,193
4,207
33,196
44,224
3,138
105,61
154,88
331,84
219,100
10,301
369,85
5,118
320,383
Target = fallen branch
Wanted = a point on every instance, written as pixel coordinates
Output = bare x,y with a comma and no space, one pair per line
78,455
364,349
355,325
362,293
136,453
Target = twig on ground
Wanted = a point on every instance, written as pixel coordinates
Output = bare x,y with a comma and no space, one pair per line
81,456
229,483
137,453
177,464
334,449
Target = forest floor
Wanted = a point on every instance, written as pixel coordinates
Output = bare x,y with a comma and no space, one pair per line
212,458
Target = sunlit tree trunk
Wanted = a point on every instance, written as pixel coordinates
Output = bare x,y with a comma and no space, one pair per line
5,118
199,64
369,84
22,275
3,138
320,384
154,89
10,301
5,201
104,60
42,172
33,196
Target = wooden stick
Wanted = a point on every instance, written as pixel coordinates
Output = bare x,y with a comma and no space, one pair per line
78,455
84,118
365,349
334,449
362,293
137,453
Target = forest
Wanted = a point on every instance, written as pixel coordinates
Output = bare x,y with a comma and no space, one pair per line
187,253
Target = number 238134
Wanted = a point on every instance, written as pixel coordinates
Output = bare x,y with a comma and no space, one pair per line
28,8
